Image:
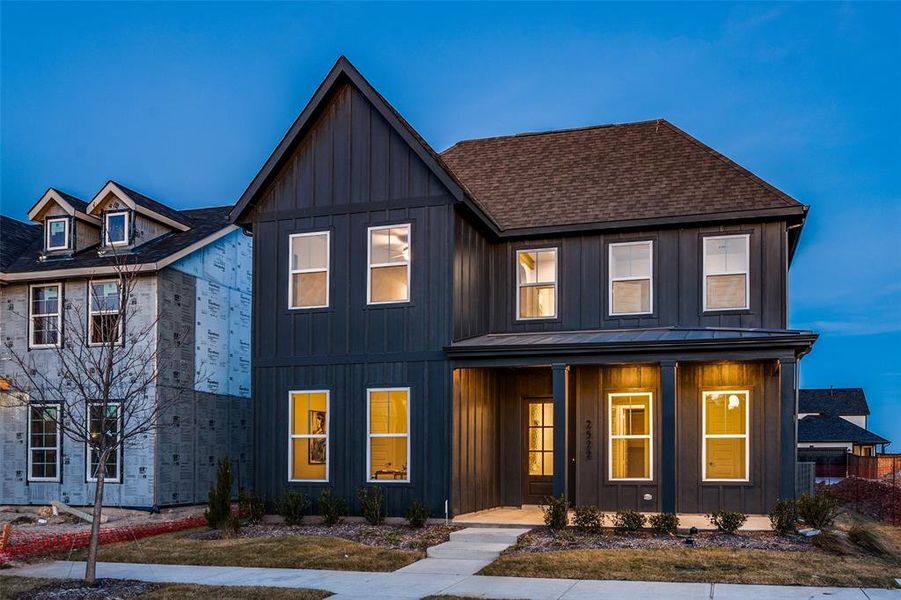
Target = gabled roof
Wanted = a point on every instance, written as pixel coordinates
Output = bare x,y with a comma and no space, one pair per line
15,238
344,71
141,204
831,428
72,205
608,174
833,401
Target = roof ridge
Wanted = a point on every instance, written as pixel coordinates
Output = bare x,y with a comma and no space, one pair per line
554,131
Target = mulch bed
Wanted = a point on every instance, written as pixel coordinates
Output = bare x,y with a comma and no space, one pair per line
396,537
544,539
105,589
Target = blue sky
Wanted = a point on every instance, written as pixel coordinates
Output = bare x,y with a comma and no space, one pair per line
184,102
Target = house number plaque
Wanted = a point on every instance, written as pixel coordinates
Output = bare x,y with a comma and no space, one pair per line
587,439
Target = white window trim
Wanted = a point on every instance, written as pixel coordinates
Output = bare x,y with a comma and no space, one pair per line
520,285
65,221
309,436
326,270
649,436
746,435
611,279
58,442
87,468
58,315
106,239
746,272
92,312
370,435
370,265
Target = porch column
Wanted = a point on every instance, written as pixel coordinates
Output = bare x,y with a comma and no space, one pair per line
561,412
668,436
788,425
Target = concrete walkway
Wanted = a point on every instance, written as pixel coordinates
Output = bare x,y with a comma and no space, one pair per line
398,586
467,552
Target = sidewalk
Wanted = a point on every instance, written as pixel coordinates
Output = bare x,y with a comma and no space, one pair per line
354,584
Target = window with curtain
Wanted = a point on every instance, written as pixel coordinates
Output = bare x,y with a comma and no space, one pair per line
308,280
725,447
389,437
46,314
43,442
105,319
389,264
536,283
631,435
631,280
726,272
308,436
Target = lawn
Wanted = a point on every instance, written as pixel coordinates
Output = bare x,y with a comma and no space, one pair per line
12,588
297,552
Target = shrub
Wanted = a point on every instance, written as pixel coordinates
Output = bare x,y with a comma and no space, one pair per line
834,543
417,514
628,520
727,521
252,507
373,502
556,513
664,522
589,518
293,507
331,507
817,510
864,536
784,516
220,499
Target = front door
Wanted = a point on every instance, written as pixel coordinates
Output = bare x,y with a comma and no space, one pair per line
538,426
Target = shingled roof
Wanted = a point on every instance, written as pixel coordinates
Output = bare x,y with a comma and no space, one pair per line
15,238
833,401
608,173
831,428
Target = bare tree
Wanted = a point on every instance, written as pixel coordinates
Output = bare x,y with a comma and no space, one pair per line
101,390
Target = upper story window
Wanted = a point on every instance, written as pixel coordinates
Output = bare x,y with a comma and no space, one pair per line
57,233
116,227
308,281
389,264
536,283
725,446
726,272
631,278
45,315
105,319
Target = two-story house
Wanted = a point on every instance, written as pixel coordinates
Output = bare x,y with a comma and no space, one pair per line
59,285
599,312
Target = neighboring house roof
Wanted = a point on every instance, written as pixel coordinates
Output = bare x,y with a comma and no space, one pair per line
607,173
620,340
832,428
833,401
205,225
15,238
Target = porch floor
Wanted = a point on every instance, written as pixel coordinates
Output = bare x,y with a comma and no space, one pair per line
531,515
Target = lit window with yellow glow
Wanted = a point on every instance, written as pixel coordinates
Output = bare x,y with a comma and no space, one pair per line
725,449
389,438
389,264
309,274
541,438
309,423
726,272
630,278
631,436
536,283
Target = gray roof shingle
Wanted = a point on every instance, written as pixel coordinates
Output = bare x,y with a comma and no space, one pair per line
831,428
15,238
833,401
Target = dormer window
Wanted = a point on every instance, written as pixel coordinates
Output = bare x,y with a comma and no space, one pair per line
57,233
116,227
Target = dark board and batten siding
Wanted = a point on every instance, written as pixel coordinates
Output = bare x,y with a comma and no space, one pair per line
350,171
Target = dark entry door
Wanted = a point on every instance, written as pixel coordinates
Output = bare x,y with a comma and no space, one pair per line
538,444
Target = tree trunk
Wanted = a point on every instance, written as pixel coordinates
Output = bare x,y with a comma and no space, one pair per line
90,569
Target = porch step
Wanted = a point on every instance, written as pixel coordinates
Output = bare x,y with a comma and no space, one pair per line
487,535
467,550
